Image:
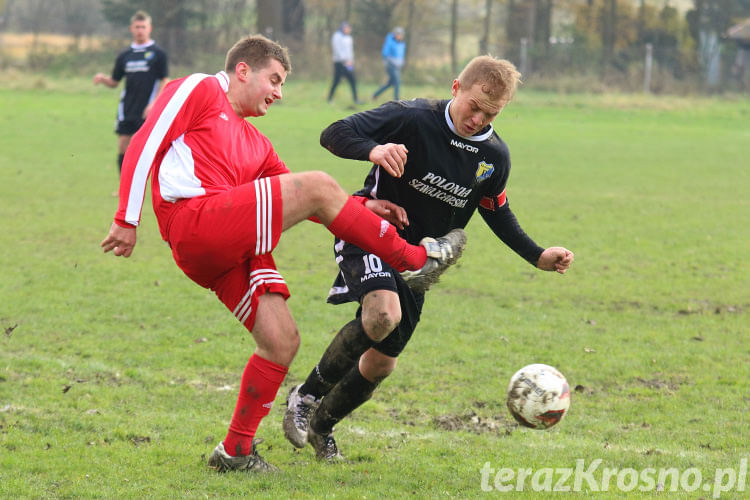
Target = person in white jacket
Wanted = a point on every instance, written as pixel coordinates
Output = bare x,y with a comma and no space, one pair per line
343,60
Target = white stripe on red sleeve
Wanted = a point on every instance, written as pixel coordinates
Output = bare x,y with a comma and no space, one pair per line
150,149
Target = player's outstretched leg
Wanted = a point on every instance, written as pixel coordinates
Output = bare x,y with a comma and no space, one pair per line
441,253
221,461
299,409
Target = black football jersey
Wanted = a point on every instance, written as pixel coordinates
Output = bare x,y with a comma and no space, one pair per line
446,176
143,68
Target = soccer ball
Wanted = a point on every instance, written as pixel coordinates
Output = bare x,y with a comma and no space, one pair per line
538,396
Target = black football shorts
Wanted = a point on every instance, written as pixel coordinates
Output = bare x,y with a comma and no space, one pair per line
360,273
128,127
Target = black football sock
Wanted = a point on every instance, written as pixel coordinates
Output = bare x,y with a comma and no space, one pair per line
119,161
344,398
341,355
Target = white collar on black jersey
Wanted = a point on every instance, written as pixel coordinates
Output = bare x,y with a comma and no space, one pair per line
477,138
141,46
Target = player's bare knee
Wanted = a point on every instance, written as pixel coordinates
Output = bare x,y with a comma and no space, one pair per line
381,313
322,187
380,322
285,346
279,345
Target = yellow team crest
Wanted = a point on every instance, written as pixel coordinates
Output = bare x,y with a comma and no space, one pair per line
484,170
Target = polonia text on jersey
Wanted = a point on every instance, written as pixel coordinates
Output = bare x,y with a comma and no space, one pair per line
138,66
435,192
445,185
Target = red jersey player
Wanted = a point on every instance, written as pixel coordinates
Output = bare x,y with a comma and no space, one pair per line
222,198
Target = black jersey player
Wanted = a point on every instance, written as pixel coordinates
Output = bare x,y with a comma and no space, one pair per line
457,164
144,67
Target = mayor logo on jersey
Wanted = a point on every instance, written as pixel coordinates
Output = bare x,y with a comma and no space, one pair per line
465,147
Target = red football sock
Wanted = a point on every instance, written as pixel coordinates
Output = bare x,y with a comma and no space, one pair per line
260,383
361,227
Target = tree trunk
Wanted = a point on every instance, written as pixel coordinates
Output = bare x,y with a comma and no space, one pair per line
530,35
454,35
293,19
543,29
269,18
484,42
641,26
409,30
609,26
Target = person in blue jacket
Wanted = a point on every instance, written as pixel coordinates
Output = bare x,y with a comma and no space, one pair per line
393,52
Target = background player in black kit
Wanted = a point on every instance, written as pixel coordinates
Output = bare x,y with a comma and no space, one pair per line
144,66
456,165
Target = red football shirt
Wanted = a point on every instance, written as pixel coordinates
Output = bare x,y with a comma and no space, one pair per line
192,144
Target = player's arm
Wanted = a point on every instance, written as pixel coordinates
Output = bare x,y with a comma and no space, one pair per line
105,80
501,219
120,240
148,144
118,72
363,136
393,213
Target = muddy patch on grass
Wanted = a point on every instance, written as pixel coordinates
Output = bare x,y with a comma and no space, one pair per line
475,423
658,382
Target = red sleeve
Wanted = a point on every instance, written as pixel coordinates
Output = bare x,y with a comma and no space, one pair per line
173,112
273,165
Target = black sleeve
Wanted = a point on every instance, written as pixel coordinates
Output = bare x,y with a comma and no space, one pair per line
341,139
119,70
162,67
355,136
504,224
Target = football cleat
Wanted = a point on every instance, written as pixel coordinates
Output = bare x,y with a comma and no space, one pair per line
442,253
221,461
299,409
325,446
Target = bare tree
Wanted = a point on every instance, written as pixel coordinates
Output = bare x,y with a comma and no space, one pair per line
543,27
224,23
411,16
3,22
81,18
34,16
293,19
454,35
269,18
2,12
484,42
641,22
609,31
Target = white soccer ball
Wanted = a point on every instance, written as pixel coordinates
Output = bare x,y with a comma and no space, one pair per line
538,396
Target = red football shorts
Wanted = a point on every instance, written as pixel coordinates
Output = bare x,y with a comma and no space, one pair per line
223,242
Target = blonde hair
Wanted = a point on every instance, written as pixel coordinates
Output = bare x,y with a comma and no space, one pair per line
499,77
140,15
256,51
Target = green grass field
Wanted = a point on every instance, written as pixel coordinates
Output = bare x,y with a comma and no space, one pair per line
118,377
